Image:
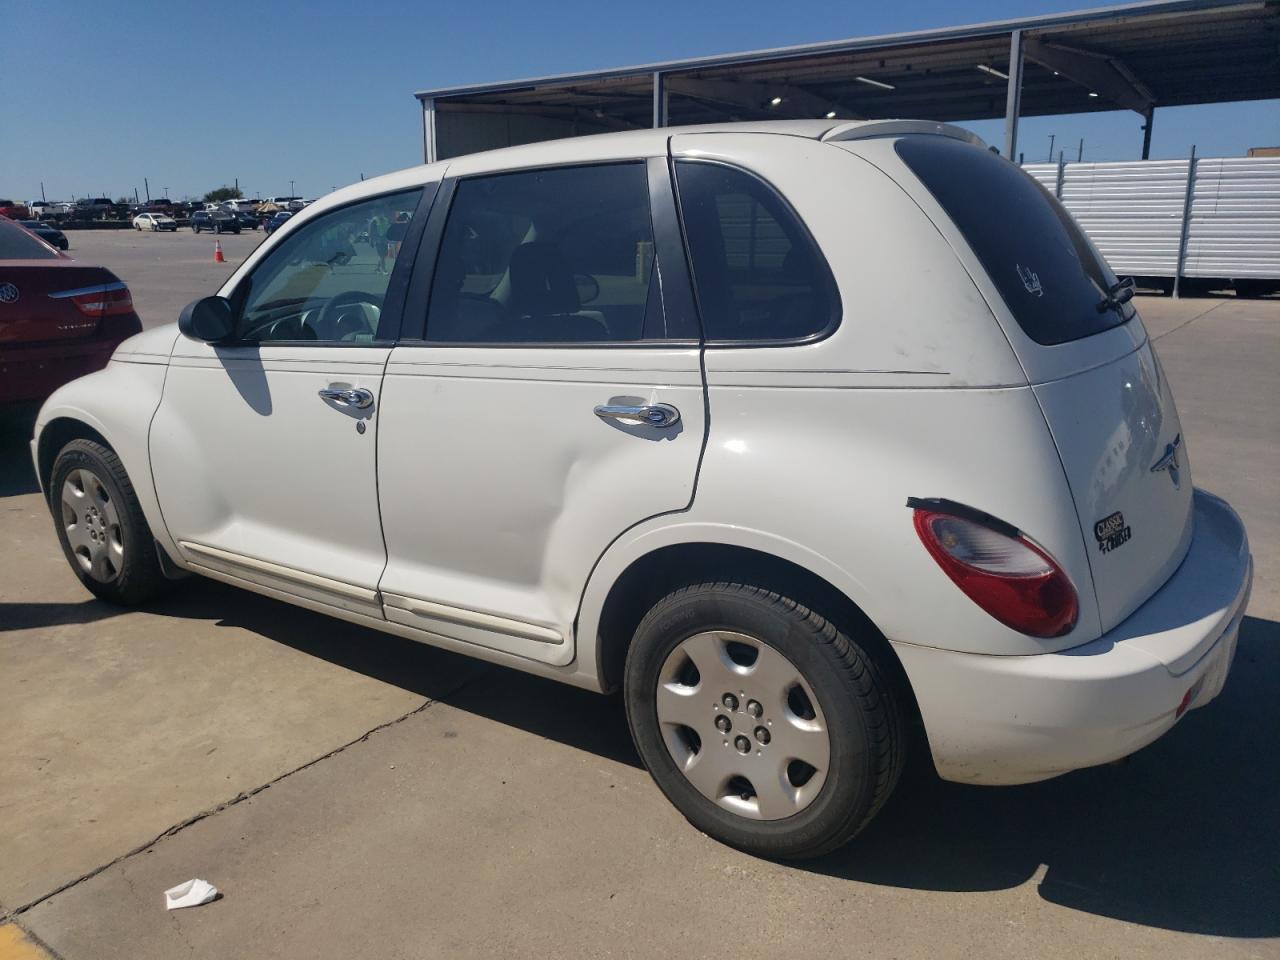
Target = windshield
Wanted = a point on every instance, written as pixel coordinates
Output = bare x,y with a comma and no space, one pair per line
1053,280
17,244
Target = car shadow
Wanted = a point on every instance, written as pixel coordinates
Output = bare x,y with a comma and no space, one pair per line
1181,836
17,475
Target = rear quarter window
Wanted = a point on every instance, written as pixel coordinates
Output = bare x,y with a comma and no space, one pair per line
1049,275
759,275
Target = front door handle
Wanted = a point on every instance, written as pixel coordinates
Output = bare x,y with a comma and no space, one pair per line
357,397
654,414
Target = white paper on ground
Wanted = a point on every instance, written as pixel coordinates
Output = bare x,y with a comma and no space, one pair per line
190,894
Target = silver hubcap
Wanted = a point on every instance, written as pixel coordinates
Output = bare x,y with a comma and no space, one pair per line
92,525
742,725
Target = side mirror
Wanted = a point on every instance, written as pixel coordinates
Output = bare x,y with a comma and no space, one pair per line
210,319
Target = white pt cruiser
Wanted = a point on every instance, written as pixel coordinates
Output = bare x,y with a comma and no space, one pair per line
818,439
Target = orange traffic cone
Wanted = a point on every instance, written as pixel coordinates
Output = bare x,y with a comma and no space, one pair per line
217,252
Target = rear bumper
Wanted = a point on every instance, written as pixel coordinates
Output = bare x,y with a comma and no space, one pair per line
1003,720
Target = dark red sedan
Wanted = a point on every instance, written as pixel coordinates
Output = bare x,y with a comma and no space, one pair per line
59,318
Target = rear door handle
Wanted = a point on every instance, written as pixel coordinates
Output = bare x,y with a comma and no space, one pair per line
357,397
654,414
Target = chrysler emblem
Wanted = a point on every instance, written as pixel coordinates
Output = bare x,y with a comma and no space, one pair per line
8,293
1169,461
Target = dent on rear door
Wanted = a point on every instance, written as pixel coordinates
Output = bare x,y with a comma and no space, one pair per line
500,484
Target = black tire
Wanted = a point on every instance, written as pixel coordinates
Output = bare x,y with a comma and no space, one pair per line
217,229
139,577
867,733
195,228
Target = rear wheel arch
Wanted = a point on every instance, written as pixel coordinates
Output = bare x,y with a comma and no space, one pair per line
650,577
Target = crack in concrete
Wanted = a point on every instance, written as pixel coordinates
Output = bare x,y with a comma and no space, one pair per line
1187,323
12,915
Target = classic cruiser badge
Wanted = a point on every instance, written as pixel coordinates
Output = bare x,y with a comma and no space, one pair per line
1111,532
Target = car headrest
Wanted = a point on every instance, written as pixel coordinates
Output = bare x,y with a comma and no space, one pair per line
541,282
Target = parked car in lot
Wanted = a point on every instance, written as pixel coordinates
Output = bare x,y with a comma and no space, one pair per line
59,318
246,219
14,210
40,209
94,208
276,220
154,222
218,221
46,232
774,427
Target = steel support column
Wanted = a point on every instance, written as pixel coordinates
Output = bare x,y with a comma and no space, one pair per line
429,148
659,100
1186,222
1148,116
1013,101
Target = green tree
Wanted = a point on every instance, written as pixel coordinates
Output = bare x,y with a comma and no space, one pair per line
222,193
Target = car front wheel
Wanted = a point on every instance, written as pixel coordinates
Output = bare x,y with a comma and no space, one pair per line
768,727
100,525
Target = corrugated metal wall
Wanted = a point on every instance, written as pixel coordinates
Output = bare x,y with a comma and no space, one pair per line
1133,212
1235,219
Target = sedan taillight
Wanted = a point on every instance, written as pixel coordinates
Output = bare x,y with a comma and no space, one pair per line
999,568
104,303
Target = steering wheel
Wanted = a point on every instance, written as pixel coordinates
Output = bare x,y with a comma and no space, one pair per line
337,322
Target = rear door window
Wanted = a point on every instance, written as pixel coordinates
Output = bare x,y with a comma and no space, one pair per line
557,255
1053,280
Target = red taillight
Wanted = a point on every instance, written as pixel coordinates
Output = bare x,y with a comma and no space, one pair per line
1001,571
104,303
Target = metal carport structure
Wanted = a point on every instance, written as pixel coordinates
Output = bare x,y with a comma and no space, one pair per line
1136,56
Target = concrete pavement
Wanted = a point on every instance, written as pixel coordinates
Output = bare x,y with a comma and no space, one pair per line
356,794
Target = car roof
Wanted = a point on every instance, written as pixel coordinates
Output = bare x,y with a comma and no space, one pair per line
626,143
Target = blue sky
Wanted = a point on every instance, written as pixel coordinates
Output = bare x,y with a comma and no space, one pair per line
94,96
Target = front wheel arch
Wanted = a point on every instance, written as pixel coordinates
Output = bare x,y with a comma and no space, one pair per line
57,434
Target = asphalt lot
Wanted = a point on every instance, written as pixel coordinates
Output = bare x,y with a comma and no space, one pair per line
355,794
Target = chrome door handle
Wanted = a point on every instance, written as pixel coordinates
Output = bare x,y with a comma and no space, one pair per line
359,397
654,414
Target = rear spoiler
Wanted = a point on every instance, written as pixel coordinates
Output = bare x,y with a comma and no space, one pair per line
866,129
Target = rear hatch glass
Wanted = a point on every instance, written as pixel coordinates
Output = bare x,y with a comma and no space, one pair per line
1049,275
1113,419
17,244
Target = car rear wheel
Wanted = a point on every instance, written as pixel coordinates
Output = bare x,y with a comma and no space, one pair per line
768,727
100,525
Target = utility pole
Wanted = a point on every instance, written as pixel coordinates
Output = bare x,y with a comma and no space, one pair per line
166,192
237,186
146,186
135,196
42,196
1052,137
1080,152
291,188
